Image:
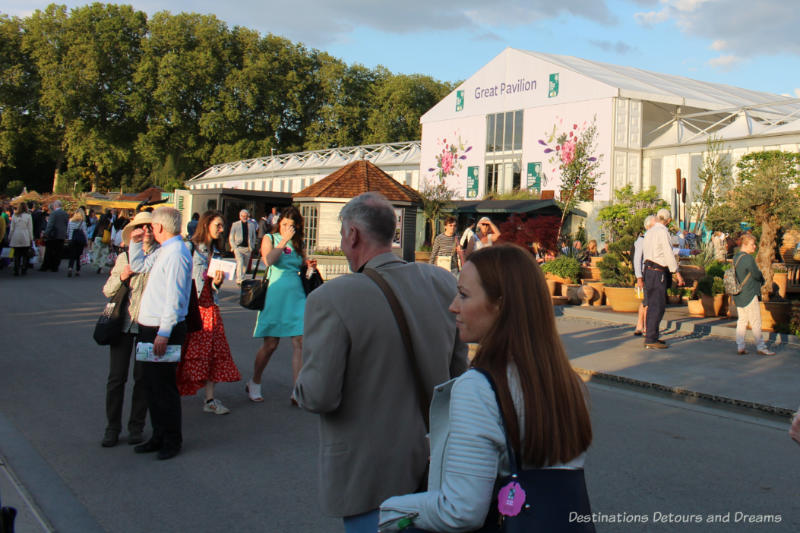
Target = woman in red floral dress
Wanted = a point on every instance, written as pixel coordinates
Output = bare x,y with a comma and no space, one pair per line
207,358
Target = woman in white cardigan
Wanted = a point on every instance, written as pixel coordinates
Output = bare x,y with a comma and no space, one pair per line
20,238
503,304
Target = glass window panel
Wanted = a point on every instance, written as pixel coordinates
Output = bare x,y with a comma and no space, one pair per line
498,132
508,141
490,133
518,130
517,176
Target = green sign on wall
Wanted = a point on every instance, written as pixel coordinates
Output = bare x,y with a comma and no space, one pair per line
534,176
459,101
472,182
553,88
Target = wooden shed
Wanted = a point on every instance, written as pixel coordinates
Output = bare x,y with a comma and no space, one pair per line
321,202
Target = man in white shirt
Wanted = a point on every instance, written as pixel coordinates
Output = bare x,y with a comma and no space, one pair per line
638,270
659,262
162,321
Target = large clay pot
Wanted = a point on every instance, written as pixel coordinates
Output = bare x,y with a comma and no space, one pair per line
560,300
674,299
781,279
696,308
586,293
553,287
599,295
712,305
774,313
622,299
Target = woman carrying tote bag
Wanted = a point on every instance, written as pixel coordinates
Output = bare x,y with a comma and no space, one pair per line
503,304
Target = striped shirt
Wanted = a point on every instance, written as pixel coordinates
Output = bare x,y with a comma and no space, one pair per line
445,246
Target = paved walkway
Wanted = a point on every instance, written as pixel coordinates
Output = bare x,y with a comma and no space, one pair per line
701,361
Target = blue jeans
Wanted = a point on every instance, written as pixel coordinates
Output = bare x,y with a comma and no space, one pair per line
362,523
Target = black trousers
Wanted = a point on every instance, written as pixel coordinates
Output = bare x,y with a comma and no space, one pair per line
655,287
119,364
74,252
53,248
21,259
163,398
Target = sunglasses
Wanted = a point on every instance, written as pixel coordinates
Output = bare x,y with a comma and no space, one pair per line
147,227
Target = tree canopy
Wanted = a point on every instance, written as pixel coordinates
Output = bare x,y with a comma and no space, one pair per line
101,96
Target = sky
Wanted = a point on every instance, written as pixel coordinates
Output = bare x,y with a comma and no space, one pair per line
753,45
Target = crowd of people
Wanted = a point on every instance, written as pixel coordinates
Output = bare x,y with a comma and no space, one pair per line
380,355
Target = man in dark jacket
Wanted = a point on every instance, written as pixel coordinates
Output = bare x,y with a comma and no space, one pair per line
747,304
54,235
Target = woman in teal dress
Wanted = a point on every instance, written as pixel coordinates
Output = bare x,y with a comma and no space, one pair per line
285,304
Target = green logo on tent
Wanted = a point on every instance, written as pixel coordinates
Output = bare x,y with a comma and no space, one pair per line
459,101
553,91
472,182
535,176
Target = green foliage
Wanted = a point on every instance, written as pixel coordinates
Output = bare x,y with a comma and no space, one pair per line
711,285
328,251
126,101
717,269
14,187
705,258
714,180
616,268
580,235
515,194
435,199
723,217
563,266
626,215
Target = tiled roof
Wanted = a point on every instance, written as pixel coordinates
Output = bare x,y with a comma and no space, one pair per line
356,178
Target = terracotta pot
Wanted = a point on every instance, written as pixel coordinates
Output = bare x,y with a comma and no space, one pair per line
696,308
559,279
622,299
553,287
774,313
599,292
422,257
712,305
586,293
560,300
781,279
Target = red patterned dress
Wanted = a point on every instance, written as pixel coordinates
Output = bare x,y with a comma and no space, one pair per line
206,355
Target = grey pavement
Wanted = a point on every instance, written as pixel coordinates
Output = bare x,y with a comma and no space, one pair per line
701,361
52,382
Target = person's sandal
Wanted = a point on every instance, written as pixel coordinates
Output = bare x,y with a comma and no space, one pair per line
254,391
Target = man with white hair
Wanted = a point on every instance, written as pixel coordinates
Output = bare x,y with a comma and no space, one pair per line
357,374
638,270
659,262
162,322
54,235
242,240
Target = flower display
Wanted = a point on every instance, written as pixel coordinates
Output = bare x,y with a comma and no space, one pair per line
450,159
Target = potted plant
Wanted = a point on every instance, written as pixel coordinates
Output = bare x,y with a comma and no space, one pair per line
616,273
780,277
565,270
712,292
423,255
675,295
695,304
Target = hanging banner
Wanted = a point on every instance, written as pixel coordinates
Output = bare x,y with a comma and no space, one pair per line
472,182
535,176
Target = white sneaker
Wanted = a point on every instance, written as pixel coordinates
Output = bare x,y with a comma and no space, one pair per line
216,407
254,391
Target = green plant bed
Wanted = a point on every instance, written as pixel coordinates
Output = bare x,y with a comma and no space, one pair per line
564,267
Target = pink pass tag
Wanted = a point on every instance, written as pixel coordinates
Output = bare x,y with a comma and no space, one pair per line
287,251
510,499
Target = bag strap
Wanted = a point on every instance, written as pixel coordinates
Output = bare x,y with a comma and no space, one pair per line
266,270
741,255
512,457
422,396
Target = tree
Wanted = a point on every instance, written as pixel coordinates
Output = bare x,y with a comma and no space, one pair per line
435,198
398,102
767,192
714,180
573,152
626,215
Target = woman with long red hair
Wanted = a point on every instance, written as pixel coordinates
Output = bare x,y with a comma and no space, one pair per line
540,406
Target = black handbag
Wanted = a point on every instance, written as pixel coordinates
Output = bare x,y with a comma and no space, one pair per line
109,326
254,291
310,282
545,499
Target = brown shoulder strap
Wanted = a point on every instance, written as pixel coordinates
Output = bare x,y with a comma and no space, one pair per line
422,396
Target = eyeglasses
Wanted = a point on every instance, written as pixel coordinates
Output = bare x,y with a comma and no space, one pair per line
147,227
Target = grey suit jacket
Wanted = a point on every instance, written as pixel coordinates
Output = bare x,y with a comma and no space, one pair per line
57,225
356,374
235,236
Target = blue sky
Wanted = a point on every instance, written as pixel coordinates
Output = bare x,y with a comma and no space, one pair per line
755,45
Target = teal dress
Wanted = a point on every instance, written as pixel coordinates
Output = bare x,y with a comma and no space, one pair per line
285,304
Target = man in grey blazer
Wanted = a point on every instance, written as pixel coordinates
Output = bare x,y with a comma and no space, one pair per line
357,375
54,235
242,239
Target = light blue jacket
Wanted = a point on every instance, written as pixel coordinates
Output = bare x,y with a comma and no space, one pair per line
468,454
